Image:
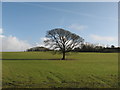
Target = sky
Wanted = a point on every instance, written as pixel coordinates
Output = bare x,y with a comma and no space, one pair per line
24,24
60,0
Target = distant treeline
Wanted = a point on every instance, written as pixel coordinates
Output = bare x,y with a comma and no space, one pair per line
95,48
38,49
84,48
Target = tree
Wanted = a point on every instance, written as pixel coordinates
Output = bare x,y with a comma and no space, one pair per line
112,46
38,49
63,40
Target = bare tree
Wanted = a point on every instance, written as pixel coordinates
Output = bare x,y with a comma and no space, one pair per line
63,40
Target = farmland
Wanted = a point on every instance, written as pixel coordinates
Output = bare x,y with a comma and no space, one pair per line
45,70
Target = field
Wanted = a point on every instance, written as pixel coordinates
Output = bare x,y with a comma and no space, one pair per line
43,70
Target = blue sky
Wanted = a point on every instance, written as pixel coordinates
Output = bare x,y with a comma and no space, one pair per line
27,23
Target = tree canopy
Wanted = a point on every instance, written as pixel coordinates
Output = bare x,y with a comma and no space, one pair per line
63,40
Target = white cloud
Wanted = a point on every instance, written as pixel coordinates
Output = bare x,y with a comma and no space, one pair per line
103,38
12,43
43,38
77,27
41,43
1,31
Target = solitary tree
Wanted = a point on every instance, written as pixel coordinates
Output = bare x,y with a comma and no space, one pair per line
63,40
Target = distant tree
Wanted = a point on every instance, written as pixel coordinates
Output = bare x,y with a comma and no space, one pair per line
38,49
87,47
63,40
112,46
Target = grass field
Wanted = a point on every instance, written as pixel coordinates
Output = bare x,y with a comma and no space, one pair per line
83,70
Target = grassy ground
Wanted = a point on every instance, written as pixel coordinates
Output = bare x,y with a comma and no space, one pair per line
85,70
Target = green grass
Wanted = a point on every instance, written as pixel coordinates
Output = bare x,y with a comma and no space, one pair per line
86,70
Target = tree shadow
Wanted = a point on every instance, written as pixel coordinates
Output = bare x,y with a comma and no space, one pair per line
39,59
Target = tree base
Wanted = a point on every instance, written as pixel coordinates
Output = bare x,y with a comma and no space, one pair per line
63,59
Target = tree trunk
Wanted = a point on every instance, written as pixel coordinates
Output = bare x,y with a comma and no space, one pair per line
63,58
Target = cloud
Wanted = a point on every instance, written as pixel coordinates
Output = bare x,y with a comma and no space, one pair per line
41,43
1,31
103,38
12,43
43,38
77,27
